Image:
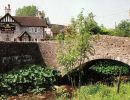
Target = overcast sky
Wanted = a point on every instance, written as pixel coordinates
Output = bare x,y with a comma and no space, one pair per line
106,12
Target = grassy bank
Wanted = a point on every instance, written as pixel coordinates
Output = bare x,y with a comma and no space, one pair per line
99,92
90,92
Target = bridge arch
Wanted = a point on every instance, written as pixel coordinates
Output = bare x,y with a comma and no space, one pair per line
95,58
90,61
92,75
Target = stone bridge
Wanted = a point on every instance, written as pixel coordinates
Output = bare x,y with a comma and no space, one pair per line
106,47
112,47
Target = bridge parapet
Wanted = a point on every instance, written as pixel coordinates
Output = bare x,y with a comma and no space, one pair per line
106,47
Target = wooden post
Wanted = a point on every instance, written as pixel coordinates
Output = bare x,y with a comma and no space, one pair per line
119,81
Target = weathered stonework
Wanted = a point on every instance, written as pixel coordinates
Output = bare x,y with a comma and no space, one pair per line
106,47
17,54
112,47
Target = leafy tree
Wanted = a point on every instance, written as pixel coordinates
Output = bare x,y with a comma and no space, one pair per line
123,28
75,46
91,24
27,11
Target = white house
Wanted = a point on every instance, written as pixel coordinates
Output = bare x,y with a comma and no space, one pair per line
22,28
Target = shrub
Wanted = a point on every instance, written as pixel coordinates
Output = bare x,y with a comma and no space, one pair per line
31,79
111,68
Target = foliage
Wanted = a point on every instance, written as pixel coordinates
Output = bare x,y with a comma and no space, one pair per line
102,92
110,68
123,28
32,79
27,11
91,24
75,43
106,31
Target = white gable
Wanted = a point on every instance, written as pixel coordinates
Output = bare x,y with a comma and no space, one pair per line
7,18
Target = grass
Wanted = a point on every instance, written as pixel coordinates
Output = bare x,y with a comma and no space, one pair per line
100,92
89,92
103,92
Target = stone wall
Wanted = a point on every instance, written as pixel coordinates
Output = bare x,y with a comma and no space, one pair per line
105,46
22,53
112,47
17,54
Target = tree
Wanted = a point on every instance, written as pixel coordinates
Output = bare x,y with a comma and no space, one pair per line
123,28
75,46
91,24
27,11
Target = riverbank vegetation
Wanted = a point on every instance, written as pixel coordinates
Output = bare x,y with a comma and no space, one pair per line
99,92
29,79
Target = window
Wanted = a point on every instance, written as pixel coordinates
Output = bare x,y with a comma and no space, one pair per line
25,37
35,29
35,39
15,39
30,29
7,39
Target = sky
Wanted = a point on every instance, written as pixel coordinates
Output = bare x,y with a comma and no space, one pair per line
107,12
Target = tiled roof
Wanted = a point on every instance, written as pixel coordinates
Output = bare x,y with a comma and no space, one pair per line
30,21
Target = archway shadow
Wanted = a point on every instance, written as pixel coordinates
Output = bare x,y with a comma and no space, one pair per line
90,76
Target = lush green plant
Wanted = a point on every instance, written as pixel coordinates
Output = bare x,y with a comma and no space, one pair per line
106,31
32,79
123,28
110,68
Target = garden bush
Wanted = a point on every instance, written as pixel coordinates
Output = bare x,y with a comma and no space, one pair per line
30,79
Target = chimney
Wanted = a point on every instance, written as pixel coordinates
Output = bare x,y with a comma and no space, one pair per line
7,9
